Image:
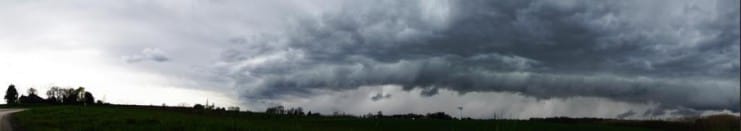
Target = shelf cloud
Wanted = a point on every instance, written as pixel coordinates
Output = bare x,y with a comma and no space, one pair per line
680,54
645,57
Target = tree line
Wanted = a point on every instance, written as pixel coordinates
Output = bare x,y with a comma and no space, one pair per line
55,95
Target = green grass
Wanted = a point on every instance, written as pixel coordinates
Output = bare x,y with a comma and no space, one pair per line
111,118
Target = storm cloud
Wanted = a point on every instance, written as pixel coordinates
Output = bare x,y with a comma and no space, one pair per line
675,53
519,58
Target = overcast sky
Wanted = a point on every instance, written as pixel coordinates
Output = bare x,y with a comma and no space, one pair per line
509,58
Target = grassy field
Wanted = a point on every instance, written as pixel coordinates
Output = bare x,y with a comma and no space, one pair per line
108,118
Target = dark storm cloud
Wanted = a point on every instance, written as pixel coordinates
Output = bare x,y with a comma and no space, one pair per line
676,53
380,96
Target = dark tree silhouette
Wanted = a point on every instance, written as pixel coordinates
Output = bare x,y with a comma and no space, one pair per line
11,95
23,99
54,95
439,116
295,111
275,110
89,99
199,107
69,96
72,95
57,95
31,97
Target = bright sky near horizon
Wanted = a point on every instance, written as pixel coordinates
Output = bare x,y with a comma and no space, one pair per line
512,58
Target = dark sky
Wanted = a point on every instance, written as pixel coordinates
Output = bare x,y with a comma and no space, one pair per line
515,58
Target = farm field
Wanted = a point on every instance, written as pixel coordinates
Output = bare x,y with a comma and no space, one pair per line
156,118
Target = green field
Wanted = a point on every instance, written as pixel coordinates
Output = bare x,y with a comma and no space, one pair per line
107,118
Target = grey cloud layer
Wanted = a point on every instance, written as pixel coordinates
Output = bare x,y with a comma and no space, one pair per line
681,54
148,54
677,53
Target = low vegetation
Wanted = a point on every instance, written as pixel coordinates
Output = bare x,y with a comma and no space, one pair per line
173,118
